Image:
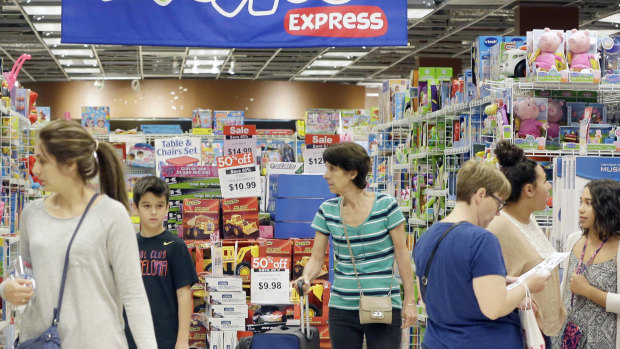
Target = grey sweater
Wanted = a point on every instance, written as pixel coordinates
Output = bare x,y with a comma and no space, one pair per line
103,276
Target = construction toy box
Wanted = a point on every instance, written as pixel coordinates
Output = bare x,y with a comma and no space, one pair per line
324,342
198,331
200,218
178,195
234,263
223,118
276,248
318,300
302,250
240,218
260,314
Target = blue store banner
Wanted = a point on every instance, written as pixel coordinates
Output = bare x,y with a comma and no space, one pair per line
236,23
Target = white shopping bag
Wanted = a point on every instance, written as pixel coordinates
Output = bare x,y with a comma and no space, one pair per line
532,337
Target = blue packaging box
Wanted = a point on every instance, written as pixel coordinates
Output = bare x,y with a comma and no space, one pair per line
293,210
288,230
298,186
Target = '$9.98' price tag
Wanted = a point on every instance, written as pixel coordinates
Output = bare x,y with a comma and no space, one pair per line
269,282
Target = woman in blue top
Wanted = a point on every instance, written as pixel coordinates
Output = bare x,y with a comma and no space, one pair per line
376,233
466,298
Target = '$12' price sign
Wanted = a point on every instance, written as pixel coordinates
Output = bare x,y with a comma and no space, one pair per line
269,282
239,176
313,154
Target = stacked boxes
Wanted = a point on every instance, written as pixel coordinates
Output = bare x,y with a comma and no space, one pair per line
240,218
294,201
227,311
201,218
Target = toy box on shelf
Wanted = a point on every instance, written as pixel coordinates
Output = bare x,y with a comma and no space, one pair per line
391,91
359,118
201,219
509,58
240,218
96,120
530,118
223,118
481,63
546,57
611,59
583,56
202,121
302,250
322,121
318,300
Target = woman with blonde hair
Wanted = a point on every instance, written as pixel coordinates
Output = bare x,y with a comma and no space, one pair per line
103,272
461,273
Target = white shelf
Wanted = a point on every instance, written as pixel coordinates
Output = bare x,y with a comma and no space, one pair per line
405,209
545,152
420,155
450,203
481,101
436,192
573,86
400,167
458,150
418,222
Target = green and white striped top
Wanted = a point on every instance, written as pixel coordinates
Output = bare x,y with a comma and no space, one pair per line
373,250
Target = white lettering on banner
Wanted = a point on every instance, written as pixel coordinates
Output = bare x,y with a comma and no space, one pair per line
251,9
335,20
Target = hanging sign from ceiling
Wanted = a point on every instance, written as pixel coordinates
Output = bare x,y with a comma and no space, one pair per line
236,23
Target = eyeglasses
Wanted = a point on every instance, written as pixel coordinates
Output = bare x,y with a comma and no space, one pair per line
501,202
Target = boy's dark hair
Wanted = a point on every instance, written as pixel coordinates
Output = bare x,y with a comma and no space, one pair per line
516,167
350,156
606,206
150,184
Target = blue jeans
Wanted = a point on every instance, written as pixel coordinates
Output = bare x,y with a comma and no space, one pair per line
346,332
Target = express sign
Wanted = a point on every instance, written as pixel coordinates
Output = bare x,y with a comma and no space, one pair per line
237,23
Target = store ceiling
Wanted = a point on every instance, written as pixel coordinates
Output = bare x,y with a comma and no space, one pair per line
446,32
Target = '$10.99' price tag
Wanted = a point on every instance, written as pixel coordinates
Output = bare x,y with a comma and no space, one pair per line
239,176
270,279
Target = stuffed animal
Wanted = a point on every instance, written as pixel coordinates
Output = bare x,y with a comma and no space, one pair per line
555,115
579,57
545,57
527,111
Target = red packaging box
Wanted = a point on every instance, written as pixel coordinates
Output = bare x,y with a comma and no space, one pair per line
198,331
276,248
269,313
302,250
318,300
324,342
200,218
240,218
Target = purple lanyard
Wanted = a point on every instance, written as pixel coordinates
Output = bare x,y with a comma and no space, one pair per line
580,266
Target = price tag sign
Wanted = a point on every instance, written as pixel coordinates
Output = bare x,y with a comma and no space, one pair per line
313,154
239,176
270,280
240,140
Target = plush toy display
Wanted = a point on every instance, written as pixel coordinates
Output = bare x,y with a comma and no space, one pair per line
546,56
555,115
579,56
527,110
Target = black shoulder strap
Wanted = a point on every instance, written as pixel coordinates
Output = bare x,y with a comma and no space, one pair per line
64,270
424,279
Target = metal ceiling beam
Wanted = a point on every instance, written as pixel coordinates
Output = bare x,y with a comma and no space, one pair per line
438,8
447,35
267,63
182,66
36,33
230,54
13,59
140,62
599,17
309,63
92,47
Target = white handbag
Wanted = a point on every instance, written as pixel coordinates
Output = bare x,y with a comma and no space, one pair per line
532,337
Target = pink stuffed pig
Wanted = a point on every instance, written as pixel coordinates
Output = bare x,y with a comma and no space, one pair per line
527,111
548,43
555,115
578,56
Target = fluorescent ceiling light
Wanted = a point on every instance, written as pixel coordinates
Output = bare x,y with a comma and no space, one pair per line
47,27
43,10
209,52
416,13
83,70
69,62
372,94
367,67
330,63
197,71
73,52
107,77
344,54
191,62
52,41
611,19
311,72
371,84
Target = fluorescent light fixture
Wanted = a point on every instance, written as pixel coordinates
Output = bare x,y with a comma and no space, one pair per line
69,62
611,19
372,94
208,52
197,71
371,84
83,70
107,77
47,27
73,52
203,62
43,10
52,41
417,13
311,72
345,54
330,63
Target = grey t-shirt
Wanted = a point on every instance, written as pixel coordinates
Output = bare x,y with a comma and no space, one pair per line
103,276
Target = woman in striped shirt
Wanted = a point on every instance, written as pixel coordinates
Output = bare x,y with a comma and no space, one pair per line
377,236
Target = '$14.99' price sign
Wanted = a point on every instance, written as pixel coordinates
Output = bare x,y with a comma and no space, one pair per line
270,280
239,176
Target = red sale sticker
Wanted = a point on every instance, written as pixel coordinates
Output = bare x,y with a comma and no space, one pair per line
245,130
337,21
235,160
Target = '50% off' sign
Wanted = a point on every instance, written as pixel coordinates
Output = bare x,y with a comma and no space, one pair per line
239,176
270,280
313,154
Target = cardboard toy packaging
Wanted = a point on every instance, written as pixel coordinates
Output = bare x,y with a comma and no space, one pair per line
198,332
302,250
240,218
223,118
200,218
318,299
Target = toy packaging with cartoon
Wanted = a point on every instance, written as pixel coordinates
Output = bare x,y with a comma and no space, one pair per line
44,115
202,118
546,58
240,218
582,56
223,118
611,59
531,116
141,155
322,121
201,218
96,120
